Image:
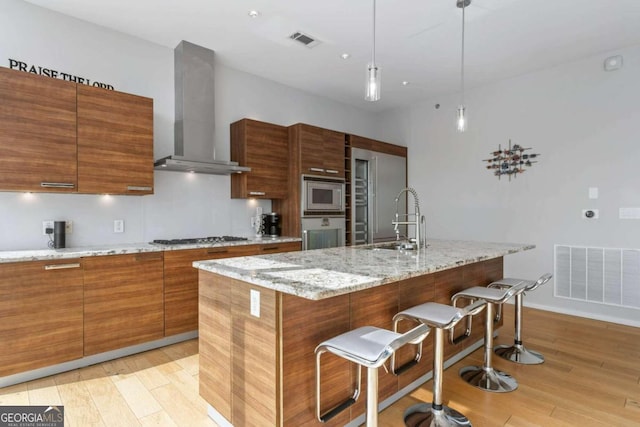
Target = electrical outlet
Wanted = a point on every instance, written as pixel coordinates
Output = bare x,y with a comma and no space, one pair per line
47,224
255,303
118,226
68,227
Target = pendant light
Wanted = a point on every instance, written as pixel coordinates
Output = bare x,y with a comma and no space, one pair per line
373,72
461,112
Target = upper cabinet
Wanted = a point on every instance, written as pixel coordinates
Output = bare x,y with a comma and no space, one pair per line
115,142
321,150
264,148
59,136
37,133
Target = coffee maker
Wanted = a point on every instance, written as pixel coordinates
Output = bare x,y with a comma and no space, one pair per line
271,224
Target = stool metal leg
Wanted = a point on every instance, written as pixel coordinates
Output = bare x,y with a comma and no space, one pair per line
372,397
517,352
435,414
485,377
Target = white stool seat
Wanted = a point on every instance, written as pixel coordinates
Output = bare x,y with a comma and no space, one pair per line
435,315
367,346
440,317
517,352
370,347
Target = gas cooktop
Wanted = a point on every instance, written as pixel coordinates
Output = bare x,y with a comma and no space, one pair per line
211,239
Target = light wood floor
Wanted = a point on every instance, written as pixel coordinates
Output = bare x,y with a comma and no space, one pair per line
591,377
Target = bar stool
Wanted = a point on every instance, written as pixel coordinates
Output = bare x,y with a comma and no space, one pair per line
370,347
440,317
517,352
485,377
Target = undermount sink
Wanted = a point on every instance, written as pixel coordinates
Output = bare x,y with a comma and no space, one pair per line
393,246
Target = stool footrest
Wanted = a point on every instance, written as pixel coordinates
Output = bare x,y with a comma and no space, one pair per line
335,411
405,367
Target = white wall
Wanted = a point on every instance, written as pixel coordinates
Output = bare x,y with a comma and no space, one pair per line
584,122
183,205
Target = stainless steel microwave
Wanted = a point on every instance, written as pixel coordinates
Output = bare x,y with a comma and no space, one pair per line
322,196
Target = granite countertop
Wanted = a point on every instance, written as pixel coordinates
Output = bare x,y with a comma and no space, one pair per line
324,273
125,248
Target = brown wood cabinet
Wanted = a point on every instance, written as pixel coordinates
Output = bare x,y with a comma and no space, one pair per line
59,136
123,301
37,133
321,150
40,314
181,280
264,148
115,142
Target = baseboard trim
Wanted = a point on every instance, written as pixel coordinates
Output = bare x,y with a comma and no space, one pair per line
93,359
578,313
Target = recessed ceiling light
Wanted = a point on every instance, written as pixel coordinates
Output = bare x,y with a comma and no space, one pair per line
405,83
253,13
345,56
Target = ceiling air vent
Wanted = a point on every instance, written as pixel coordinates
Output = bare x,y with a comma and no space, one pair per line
305,39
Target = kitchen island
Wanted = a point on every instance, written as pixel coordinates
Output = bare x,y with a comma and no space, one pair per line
262,317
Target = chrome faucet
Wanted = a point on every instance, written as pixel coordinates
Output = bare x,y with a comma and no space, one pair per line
418,222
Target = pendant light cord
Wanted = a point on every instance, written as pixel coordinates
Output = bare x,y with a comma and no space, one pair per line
373,53
462,59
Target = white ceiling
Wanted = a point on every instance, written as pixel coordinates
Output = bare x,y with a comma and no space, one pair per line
416,40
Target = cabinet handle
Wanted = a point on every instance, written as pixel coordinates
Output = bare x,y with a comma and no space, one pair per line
138,188
57,184
217,251
331,171
152,257
270,248
61,266
257,193
316,169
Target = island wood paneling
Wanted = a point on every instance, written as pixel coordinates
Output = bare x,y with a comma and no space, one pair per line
115,142
305,324
271,360
256,357
375,307
123,301
37,132
411,292
40,314
215,342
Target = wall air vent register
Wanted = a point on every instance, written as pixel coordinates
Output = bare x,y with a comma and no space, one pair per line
598,275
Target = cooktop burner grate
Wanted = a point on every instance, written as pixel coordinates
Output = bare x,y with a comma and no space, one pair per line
211,239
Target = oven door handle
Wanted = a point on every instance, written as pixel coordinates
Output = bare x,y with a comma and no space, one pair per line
305,239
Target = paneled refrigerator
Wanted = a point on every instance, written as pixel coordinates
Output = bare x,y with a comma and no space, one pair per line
376,179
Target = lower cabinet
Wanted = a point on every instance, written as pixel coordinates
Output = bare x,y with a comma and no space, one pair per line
61,310
123,301
181,280
40,314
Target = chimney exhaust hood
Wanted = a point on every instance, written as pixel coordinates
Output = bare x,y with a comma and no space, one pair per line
194,149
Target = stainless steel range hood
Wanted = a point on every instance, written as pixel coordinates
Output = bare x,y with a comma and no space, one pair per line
194,149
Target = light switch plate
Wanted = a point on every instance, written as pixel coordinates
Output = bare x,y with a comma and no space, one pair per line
593,192
629,213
